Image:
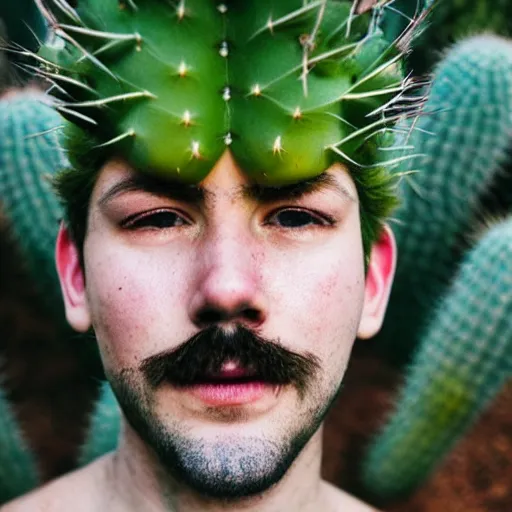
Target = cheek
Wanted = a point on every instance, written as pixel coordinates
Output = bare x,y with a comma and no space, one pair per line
320,298
127,291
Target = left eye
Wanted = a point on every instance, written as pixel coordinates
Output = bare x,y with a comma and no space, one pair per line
159,220
294,218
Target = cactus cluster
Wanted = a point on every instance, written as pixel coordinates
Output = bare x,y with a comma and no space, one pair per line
289,87
464,139
464,360
450,308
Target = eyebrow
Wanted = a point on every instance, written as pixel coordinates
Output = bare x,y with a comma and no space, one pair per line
197,194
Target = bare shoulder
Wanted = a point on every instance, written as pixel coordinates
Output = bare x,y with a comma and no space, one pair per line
69,492
340,501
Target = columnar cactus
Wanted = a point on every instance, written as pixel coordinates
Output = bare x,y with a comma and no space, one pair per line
464,141
464,360
18,469
29,156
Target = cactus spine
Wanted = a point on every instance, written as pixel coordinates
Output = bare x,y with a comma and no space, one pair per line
464,360
465,141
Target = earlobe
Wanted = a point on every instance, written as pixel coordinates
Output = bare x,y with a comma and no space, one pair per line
379,280
72,281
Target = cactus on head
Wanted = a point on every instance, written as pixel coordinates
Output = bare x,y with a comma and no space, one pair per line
290,88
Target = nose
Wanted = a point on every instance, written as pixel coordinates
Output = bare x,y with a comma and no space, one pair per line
227,287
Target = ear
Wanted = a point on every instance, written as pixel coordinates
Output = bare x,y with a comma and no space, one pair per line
72,281
379,280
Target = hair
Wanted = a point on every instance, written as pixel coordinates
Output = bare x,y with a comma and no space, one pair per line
376,187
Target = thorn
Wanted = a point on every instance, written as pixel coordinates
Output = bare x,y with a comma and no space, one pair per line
183,69
195,149
222,8
180,11
270,25
278,147
224,49
228,139
187,118
297,114
226,94
256,90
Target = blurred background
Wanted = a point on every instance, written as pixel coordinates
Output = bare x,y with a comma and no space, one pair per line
423,422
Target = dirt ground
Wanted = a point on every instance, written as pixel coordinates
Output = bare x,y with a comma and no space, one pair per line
53,391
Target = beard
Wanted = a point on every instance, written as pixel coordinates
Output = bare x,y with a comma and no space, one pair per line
229,467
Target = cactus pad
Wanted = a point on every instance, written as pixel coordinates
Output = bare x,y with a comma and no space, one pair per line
289,86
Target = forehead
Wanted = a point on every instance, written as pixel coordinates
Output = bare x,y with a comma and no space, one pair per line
225,177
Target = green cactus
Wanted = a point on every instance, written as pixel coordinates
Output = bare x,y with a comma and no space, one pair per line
290,87
18,469
465,141
104,428
29,156
464,360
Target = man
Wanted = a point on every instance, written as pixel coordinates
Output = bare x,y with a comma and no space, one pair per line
225,307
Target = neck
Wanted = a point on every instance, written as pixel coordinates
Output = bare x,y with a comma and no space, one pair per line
138,482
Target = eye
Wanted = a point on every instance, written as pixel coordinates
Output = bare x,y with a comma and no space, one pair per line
161,219
298,218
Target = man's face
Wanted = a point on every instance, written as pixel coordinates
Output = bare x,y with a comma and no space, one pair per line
225,314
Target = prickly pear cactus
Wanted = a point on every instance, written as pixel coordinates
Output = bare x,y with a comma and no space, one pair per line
18,470
464,139
29,156
464,360
286,85
290,87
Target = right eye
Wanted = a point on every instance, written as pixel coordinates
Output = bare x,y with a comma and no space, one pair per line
160,219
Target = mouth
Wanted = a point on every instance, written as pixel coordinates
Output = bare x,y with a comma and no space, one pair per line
231,386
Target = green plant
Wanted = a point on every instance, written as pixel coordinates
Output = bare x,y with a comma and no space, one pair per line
18,469
290,87
464,141
464,359
29,156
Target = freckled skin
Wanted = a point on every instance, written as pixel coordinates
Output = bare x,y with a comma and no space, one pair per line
145,291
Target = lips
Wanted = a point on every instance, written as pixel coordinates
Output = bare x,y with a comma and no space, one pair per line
231,386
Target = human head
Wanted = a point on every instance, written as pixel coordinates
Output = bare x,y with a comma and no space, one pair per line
224,277
294,280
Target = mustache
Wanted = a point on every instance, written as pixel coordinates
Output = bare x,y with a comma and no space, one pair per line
202,357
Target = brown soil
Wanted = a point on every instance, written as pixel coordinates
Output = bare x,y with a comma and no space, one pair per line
53,391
